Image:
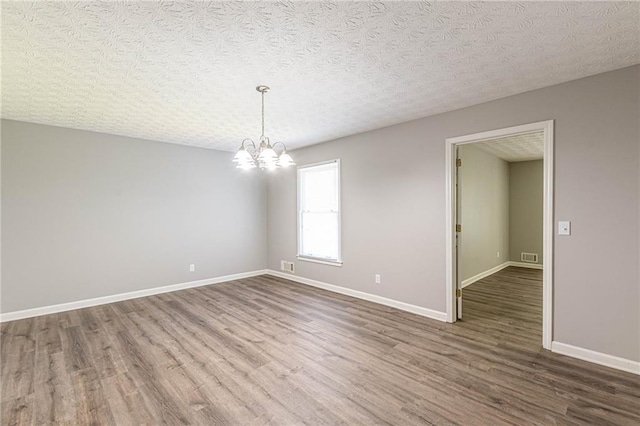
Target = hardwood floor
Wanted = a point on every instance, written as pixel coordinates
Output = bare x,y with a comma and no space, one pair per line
508,304
269,351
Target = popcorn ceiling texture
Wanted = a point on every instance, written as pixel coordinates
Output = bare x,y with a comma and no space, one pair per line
185,72
524,147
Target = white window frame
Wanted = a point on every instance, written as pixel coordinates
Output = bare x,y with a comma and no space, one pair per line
320,260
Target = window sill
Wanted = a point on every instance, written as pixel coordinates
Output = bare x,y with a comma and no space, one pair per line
321,261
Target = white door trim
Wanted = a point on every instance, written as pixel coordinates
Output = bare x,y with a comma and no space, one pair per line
547,276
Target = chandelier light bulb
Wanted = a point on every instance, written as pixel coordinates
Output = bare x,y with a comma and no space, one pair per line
246,165
271,166
285,160
268,153
242,156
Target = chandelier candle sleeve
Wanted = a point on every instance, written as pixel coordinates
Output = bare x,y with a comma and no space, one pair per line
264,155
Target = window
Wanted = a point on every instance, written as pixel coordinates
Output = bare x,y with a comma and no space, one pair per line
319,213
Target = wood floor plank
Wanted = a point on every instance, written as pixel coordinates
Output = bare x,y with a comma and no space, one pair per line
18,411
266,350
53,388
149,381
126,402
92,407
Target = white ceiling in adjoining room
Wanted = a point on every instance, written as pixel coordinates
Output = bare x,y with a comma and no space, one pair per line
185,72
521,147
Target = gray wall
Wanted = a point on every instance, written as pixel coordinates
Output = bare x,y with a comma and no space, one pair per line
484,191
87,214
526,182
393,194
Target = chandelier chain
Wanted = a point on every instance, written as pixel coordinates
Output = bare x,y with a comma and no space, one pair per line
262,93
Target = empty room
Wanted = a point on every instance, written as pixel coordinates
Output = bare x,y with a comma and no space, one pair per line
500,213
288,213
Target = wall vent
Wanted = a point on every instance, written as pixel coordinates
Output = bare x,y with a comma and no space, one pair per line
529,257
287,266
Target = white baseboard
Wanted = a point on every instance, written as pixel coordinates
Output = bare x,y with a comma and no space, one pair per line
52,309
525,265
425,312
484,274
596,357
500,267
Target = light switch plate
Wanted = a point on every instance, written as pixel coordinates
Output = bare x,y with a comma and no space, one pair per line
564,227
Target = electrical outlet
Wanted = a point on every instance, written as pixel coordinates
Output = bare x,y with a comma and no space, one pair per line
192,267
564,227
283,265
498,255
377,278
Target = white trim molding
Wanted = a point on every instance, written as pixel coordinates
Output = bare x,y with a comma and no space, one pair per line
525,265
596,357
546,127
485,274
316,260
499,268
69,306
419,310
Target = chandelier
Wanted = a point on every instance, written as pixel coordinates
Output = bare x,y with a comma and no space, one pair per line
264,156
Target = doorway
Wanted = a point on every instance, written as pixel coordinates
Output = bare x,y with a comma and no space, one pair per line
455,232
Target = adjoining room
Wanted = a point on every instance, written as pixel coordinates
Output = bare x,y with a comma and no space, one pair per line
500,207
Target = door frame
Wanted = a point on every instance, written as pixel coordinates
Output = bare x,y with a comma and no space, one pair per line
547,227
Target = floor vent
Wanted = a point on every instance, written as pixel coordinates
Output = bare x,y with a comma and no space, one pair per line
529,257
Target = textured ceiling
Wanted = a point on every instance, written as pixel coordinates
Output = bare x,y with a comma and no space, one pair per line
523,147
185,72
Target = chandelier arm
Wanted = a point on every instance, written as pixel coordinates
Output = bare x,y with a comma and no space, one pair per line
249,144
284,147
